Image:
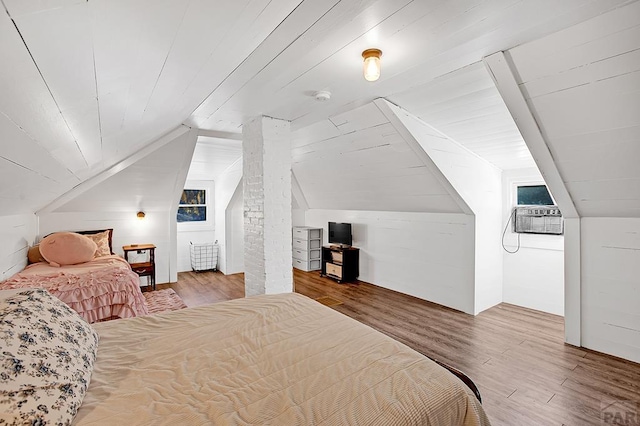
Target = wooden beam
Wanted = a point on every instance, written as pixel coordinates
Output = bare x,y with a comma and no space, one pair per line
503,75
383,106
181,178
86,185
297,192
220,134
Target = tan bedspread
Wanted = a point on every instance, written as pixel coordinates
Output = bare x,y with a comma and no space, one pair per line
101,289
278,360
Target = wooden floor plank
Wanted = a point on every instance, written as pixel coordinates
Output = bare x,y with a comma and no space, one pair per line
516,356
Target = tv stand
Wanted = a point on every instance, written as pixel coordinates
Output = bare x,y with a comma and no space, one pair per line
339,246
342,263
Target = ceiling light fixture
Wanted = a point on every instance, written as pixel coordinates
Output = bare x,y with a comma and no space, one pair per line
140,215
372,64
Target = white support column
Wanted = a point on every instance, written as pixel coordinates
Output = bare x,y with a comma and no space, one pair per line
189,147
266,164
572,282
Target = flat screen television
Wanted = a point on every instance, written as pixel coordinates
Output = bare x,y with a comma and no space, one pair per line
340,233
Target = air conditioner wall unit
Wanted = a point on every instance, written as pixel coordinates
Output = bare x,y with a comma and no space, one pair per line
538,220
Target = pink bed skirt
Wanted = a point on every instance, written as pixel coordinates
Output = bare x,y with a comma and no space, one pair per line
101,289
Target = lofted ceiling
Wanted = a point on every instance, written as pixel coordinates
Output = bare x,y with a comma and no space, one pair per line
583,85
90,83
466,106
128,189
420,40
358,160
213,156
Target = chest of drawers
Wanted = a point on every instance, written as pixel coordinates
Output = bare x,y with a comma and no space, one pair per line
307,248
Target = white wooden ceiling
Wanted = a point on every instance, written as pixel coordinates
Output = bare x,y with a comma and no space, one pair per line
85,84
212,157
129,189
358,161
420,40
583,85
466,106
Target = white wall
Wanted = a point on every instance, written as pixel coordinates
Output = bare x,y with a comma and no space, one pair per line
297,217
197,232
534,275
427,255
17,233
235,233
127,229
479,184
225,187
611,286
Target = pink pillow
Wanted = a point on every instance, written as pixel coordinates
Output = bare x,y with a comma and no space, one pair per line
67,248
102,241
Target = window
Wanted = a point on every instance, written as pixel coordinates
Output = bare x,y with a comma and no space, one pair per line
193,206
537,195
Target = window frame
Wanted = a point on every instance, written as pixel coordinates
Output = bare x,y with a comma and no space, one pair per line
209,194
205,205
523,185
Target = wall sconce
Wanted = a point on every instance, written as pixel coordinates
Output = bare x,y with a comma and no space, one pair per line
372,64
140,215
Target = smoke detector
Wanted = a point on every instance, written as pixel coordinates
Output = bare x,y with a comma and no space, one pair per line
322,96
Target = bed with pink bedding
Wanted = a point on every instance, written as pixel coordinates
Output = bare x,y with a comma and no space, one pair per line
103,288
100,289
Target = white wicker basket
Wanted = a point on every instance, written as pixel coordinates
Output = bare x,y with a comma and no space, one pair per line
204,256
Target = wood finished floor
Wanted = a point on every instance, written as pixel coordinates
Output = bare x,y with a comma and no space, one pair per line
516,356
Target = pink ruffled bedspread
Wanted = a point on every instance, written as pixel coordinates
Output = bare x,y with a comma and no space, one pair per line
101,289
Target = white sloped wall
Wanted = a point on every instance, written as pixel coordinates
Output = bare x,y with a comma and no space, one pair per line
479,183
426,212
412,229
17,233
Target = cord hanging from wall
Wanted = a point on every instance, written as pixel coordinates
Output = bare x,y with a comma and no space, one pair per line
511,217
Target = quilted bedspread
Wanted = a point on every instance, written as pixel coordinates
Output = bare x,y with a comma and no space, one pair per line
101,289
266,360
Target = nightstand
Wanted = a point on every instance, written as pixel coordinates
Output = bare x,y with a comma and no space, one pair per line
143,269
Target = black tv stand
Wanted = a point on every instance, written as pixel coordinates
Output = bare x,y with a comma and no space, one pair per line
342,263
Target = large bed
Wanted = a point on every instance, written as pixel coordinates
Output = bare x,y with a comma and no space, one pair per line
100,289
265,360
277,359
